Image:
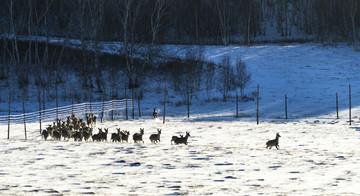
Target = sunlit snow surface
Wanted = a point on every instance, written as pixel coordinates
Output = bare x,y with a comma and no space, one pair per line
319,154
225,157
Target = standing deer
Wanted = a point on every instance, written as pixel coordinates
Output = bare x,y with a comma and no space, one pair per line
137,137
155,138
155,114
124,135
116,137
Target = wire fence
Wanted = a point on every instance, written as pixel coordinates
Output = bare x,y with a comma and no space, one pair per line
113,109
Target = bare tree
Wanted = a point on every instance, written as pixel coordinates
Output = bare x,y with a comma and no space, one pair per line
129,12
15,26
209,78
352,7
156,23
114,78
224,12
14,53
40,18
97,14
4,68
226,76
80,23
157,15
283,16
187,74
4,65
242,75
248,24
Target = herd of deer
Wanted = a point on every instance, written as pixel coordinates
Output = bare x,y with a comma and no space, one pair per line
77,129
73,127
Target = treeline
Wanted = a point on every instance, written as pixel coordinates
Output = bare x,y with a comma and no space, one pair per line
29,56
185,22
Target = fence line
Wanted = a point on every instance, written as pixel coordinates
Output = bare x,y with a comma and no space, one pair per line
78,109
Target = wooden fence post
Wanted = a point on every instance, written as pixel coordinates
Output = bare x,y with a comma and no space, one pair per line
164,104
188,104
126,105
9,114
139,107
85,101
43,100
23,103
90,99
132,102
57,103
350,104
72,100
337,106
237,105
286,115
102,111
112,103
39,97
257,104
112,110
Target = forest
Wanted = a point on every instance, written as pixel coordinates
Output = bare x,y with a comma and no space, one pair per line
28,29
184,22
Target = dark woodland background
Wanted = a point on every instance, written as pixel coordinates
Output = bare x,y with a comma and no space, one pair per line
29,27
183,22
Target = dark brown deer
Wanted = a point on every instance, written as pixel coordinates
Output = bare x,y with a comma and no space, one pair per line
173,138
116,137
137,137
274,142
104,134
155,138
155,114
181,139
124,135
87,133
45,134
99,136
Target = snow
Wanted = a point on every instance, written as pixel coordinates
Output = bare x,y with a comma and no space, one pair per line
225,156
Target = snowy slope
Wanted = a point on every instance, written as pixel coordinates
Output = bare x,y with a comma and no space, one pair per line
309,74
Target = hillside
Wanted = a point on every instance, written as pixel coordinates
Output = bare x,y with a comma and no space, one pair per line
309,74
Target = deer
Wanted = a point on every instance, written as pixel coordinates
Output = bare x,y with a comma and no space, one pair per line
91,120
155,114
78,136
155,138
87,133
116,137
274,142
45,134
173,138
98,136
137,137
56,135
124,135
103,135
181,139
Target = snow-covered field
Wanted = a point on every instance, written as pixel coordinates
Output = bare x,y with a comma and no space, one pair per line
222,158
225,156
